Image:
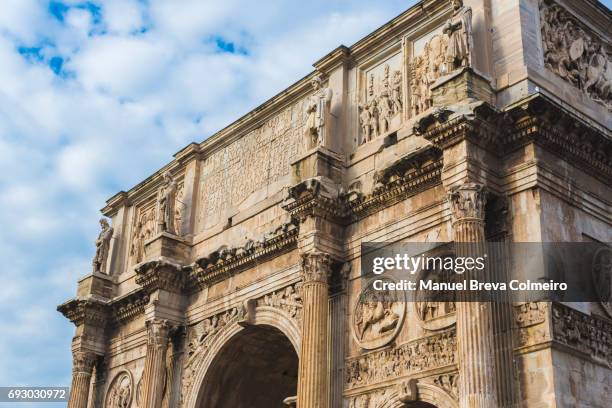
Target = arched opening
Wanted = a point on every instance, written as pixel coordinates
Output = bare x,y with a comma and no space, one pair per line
256,368
420,404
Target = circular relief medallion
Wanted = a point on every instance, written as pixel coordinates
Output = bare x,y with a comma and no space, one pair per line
602,277
120,392
378,315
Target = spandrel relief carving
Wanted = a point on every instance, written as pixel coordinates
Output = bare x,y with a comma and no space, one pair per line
380,108
575,54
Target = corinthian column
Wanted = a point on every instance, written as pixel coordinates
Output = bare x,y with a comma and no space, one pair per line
312,376
82,368
155,363
477,388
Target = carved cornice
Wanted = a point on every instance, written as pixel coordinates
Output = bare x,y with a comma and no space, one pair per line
539,120
130,306
404,178
91,311
160,274
316,267
228,261
445,127
311,198
588,335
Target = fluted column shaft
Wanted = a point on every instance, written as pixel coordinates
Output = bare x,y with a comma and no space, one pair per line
155,363
82,369
313,369
475,346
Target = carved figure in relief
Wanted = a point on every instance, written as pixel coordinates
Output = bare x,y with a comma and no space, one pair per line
377,317
574,55
317,109
166,202
102,247
425,70
376,115
459,32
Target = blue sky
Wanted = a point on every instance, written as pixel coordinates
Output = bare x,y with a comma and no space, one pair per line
97,95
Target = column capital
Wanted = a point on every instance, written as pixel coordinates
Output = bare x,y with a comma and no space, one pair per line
467,201
83,362
316,267
158,331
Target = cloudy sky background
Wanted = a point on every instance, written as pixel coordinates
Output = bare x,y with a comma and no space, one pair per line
97,95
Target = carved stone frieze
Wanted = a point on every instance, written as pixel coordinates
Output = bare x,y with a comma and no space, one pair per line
425,69
575,54
588,334
226,261
420,355
377,317
130,306
121,391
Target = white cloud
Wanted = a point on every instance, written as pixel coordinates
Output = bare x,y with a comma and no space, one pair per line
121,104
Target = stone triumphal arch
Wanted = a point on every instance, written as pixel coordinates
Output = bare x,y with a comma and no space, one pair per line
231,277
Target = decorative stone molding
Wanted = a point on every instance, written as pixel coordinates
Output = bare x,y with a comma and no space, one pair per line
407,393
540,120
121,391
225,262
130,306
589,335
575,54
436,351
475,121
311,198
160,274
316,267
90,311
467,201
377,317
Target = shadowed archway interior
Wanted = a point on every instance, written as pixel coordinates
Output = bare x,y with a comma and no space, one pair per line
257,368
420,404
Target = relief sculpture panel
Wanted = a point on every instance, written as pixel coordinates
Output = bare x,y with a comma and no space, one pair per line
575,54
260,158
380,107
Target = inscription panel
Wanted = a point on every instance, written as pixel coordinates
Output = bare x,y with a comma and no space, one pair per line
260,158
